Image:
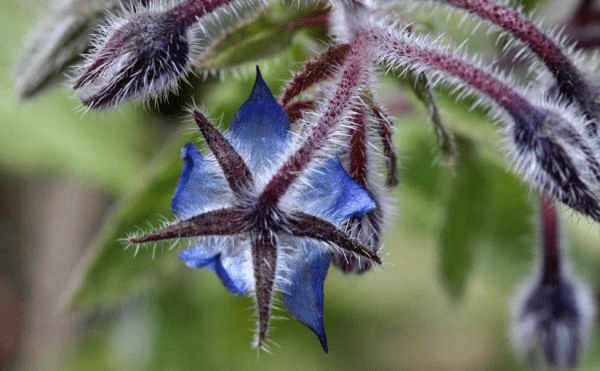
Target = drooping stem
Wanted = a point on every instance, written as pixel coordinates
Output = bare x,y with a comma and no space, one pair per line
551,162
188,12
336,108
570,81
551,263
402,46
523,29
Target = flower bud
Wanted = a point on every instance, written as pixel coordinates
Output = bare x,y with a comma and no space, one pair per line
553,311
139,56
553,322
143,52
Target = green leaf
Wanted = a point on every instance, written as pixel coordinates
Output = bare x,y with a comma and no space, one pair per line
267,35
50,138
464,223
511,222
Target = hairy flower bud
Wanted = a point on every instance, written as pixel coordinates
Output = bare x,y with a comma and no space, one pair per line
142,53
553,311
144,56
554,319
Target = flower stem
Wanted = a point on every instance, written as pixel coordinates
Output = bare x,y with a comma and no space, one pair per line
409,50
338,106
550,236
571,83
188,12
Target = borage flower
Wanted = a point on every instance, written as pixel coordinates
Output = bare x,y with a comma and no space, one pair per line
261,225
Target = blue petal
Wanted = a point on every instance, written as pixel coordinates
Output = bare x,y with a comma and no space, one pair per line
198,189
334,195
303,290
260,128
228,268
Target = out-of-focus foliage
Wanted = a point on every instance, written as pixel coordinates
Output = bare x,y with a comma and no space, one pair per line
49,135
465,221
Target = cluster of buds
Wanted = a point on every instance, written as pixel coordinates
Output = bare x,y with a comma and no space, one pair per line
295,184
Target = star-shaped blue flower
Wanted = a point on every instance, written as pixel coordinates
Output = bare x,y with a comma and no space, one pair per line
264,213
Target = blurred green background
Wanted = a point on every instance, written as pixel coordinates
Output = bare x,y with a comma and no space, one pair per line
73,298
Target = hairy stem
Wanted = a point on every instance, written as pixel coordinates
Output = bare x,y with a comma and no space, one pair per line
353,76
550,240
571,83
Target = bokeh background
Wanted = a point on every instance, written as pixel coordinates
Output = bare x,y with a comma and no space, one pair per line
73,298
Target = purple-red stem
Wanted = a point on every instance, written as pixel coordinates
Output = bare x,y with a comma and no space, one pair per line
502,94
321,68
353,74
550,238
358,149
560,65
520,27
188,12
